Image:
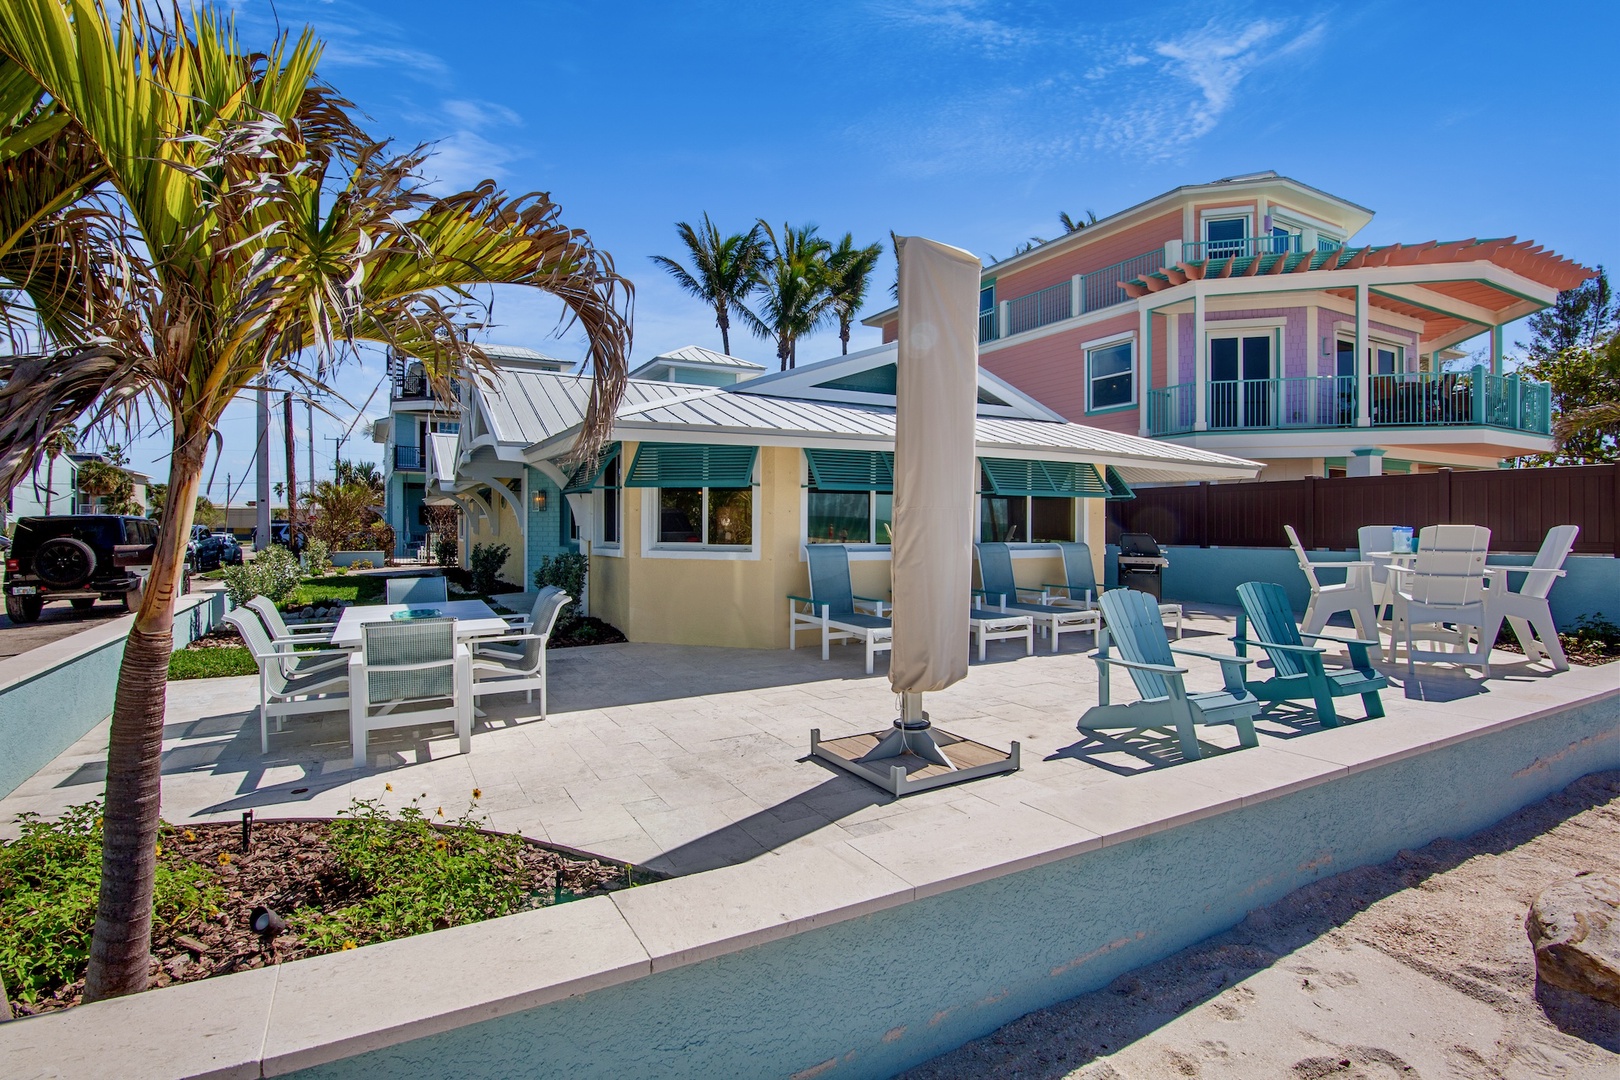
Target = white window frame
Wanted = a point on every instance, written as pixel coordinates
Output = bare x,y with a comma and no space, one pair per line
1077,520
599,497
1086,349
653,548
1225,213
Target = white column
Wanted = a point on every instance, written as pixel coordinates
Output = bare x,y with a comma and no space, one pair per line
1363,368
1200,365
1077,295
1002,318
1144,366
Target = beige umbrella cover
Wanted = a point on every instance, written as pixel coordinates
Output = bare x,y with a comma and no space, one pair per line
934,466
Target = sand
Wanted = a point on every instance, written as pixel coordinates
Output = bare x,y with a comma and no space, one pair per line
1417,968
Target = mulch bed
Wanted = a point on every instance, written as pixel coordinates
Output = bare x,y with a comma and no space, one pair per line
224,637
586,631
1587,652
287,868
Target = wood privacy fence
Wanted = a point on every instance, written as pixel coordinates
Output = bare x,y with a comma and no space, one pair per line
1518,505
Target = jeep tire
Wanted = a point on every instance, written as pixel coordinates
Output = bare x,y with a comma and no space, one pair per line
23,609
83,603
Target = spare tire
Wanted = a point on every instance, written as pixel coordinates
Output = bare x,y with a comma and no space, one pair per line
63,562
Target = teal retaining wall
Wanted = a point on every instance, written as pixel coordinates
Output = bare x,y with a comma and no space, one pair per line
1591,585
47,711
877,994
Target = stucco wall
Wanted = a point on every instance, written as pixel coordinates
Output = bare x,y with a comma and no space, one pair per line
482,531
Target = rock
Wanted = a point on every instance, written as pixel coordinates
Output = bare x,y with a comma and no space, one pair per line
1574,927
176,967
190,943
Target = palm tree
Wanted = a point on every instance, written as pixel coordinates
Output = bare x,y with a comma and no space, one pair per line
65,440
1076,224
275,233
850,269
796,297
725,270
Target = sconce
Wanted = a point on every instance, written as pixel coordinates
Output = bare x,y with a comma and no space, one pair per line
540,500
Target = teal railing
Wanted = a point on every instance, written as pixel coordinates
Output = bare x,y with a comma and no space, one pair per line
1407,399
1243,248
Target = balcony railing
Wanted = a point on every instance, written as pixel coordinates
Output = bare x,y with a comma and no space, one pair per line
408,457
1250,246
1407,399
1081,294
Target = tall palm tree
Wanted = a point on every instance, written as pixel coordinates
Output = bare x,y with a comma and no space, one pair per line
850,270
725,270
796,298
1073,224
64,440
275,233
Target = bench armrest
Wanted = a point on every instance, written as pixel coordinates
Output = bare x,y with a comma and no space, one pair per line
1217,656
1311,649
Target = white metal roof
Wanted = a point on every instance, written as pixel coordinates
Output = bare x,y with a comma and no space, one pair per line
538,412
696,354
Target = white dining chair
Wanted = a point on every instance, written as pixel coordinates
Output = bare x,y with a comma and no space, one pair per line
289,685
407,674
1528,610
1441,598
1377,538
1354,595
513,662
417,590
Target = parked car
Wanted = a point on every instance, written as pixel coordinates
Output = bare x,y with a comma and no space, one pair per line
217,549
80,558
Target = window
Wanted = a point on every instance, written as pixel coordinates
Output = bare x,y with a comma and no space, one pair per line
849,517
1224,236
1033,501
1110,376
610,502
447,427
1015,519
712,517
987,311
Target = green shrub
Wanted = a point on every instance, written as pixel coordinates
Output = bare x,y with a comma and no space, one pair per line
567,572
415,877
50,877
215,663
485,564
317,557
445,551
1595,630
272,572
362,564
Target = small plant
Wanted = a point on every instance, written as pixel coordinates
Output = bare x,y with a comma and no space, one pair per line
445,551
567,572
317,557
485,564
1595,631
362,564
273,572
50,877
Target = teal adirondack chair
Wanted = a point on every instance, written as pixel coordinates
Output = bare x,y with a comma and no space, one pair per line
1300,673
1131,619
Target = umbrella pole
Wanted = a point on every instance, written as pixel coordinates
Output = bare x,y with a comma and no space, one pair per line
910,735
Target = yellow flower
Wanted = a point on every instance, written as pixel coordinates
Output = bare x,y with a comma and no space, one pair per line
224,858
347,945
439,843
478,793
189,835
441,811
388,787
160,851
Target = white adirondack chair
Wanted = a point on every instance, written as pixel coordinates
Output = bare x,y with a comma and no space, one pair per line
1442,598
1353,595
1528,610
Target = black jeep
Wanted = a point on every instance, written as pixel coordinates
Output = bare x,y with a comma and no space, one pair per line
80,558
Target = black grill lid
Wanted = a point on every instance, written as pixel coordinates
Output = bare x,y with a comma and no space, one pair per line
1139,545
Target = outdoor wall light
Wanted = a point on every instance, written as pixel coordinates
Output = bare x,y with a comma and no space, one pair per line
540,500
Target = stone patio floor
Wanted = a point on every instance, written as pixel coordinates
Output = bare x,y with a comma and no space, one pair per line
683,759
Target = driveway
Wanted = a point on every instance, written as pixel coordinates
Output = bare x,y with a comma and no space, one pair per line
55,622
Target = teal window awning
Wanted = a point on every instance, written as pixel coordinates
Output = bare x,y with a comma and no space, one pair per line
588,474
1060,479
851,470
1118,489
692,465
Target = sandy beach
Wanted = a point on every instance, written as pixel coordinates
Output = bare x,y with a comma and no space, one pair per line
1418,968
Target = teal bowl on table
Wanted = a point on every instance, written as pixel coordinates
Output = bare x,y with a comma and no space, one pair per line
416,613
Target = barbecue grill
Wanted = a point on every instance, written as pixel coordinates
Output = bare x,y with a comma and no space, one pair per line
1141,564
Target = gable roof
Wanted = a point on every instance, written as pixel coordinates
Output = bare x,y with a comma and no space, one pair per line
698,356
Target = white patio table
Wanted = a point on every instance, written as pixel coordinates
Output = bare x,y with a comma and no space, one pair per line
1398,560
474,619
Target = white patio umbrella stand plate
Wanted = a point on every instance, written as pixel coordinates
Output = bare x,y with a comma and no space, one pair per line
934,519
913,756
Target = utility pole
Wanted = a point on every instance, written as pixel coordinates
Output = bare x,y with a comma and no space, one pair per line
292,468
227,502
337,451
309,429
261,531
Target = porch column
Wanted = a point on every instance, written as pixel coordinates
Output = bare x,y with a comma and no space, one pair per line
1144,368
1200,364
1363,368
1496,351
1365,461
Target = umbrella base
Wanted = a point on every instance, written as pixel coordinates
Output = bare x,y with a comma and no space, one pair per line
905,760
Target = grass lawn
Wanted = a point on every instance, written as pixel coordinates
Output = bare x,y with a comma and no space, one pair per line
211,663
355,588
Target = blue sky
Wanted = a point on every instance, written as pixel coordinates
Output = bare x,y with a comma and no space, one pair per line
973,123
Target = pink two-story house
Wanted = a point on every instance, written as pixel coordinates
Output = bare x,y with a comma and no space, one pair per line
1241,317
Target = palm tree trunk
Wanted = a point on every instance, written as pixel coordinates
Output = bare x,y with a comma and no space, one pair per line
723,321
843,335
122,942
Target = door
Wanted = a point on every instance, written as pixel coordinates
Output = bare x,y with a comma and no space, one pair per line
1240,381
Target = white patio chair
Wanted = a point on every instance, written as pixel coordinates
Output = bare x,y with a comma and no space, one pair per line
1442,598
285,689
415,666
1353,595
1370,538
1528,607
417,590
515,662
316,633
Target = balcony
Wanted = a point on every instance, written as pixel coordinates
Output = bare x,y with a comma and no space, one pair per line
1080,295
1250,246
409,457
1318,402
